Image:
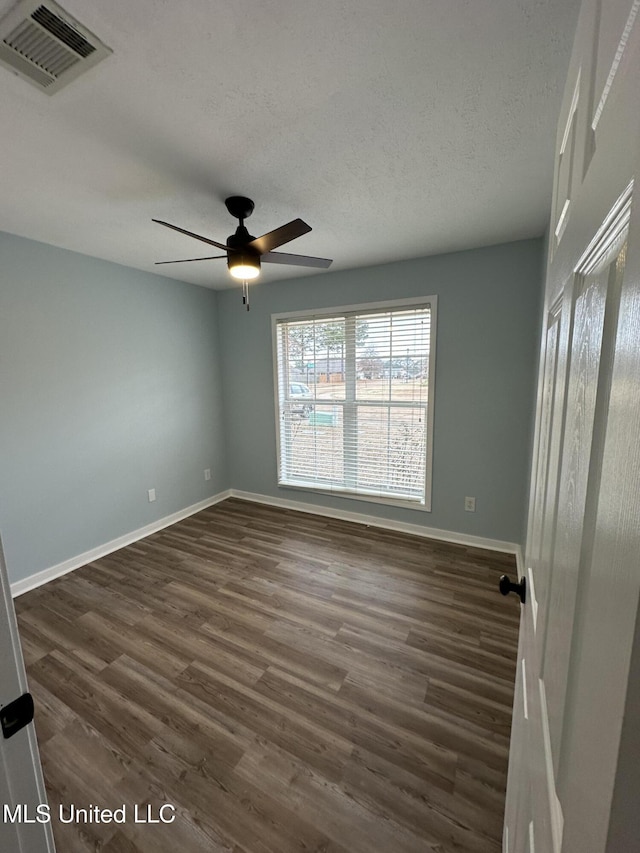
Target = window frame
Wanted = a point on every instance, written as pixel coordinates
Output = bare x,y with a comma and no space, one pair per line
367,307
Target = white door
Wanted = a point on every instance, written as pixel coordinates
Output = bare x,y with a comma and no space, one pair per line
582,557
21,783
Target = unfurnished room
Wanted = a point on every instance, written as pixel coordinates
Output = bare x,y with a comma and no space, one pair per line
319,456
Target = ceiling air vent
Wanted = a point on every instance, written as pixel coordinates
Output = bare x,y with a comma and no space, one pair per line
46,46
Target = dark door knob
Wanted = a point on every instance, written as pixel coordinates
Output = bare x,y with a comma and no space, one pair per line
506,586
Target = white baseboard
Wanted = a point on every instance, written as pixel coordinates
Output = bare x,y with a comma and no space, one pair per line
386,524
46,575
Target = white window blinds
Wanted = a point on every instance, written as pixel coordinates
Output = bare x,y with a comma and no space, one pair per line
354,398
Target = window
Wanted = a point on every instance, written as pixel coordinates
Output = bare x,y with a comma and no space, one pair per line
355,400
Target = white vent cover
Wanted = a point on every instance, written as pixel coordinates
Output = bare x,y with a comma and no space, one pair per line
46,46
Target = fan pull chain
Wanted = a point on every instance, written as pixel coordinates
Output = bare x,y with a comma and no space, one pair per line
245,293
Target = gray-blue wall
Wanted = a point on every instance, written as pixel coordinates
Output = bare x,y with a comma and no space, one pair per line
488,326
114,381
109,386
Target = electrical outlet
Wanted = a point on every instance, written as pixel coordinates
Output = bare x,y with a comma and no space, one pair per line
207,473
152,495
469,504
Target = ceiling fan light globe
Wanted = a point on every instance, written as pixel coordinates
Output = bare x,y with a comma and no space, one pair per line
243,267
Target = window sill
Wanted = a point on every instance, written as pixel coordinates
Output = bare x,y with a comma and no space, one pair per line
335,491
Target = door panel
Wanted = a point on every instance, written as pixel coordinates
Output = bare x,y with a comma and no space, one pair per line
607,599
614,32
551,380
544,537
518,802
588,385
583,536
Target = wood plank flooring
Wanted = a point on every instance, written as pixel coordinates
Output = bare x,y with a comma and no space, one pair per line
288,682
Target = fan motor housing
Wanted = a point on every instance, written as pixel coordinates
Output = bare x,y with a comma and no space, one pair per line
240,239
244,255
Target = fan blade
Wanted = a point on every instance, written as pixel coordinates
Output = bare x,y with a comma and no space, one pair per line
297,260
189,260
197,236
293,229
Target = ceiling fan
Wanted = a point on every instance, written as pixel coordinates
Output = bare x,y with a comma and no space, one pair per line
245,253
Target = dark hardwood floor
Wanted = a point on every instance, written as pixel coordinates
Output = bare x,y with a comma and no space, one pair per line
288,682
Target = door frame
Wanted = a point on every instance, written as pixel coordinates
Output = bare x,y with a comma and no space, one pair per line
21,779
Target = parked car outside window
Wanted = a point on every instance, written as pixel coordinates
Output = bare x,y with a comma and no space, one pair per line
298,392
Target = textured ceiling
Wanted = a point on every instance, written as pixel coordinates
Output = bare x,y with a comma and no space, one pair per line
395,128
